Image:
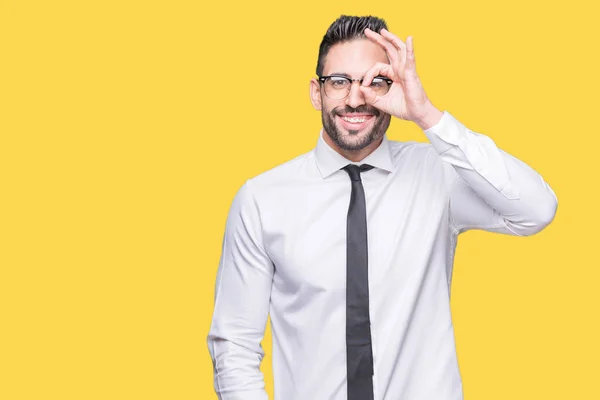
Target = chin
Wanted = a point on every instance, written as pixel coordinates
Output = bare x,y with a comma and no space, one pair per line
354,142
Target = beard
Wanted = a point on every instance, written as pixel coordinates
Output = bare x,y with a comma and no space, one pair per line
354,141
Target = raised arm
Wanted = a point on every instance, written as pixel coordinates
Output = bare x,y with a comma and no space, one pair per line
490,189
242,294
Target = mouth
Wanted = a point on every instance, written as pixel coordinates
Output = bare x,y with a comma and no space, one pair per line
354,122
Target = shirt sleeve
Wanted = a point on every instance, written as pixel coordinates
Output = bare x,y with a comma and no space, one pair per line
242,296
489,188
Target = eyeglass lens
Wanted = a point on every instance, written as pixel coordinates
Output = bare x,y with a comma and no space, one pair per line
337,87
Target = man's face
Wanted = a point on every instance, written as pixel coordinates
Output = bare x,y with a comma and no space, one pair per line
350,123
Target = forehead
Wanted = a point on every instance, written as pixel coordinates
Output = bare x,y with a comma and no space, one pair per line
354,58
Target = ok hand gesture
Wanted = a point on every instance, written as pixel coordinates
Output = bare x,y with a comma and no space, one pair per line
406,98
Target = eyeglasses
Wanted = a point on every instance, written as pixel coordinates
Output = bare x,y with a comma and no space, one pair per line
338,87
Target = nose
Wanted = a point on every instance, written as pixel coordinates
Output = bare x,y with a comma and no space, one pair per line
355,98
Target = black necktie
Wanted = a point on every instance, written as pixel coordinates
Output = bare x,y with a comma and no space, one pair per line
358,326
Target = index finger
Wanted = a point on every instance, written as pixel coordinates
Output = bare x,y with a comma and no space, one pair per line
395,40
389,48
379,69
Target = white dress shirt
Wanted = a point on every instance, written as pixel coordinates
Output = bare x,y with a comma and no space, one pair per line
284,255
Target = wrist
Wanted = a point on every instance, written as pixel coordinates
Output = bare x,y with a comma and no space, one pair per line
429,117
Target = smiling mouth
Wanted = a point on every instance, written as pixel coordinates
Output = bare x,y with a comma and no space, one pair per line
355,122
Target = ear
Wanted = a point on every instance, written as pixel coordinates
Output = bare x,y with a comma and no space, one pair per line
315,94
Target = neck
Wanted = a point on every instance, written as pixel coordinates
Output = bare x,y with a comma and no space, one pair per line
353,155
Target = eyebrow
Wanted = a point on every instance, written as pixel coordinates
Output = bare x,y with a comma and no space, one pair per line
345,75
341,74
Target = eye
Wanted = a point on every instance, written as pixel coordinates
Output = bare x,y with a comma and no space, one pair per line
338,82
378,83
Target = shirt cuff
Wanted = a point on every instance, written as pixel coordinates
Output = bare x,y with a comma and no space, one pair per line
447,133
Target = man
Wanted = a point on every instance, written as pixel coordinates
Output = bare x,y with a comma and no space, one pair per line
350,247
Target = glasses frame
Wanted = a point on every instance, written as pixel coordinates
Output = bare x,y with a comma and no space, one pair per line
322,79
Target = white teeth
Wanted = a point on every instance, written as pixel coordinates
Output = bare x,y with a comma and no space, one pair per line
354,120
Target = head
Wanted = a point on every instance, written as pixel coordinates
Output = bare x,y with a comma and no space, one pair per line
349,123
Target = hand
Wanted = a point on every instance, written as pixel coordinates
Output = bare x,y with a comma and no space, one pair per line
406,98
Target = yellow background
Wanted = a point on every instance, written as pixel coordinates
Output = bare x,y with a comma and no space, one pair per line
126,127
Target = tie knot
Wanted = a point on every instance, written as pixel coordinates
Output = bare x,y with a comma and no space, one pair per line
354,170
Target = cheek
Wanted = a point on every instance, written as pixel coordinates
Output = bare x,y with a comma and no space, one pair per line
329,106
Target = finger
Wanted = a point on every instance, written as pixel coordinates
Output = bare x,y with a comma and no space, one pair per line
410,54
389,48
379,69
395,40
369,94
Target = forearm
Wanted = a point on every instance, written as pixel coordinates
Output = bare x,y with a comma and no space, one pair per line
237,374
508,185
236,333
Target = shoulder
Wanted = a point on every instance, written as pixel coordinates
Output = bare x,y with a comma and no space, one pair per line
411,151
422,159
292,172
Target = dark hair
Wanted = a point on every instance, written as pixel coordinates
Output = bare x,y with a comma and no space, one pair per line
345,29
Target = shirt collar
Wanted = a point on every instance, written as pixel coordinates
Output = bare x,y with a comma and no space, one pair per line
329,161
